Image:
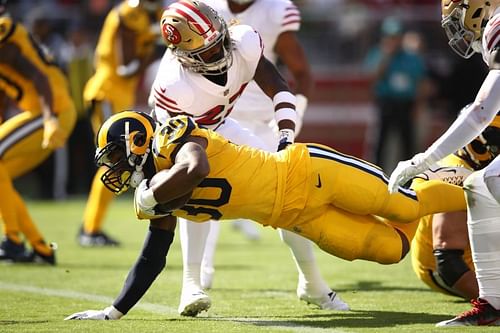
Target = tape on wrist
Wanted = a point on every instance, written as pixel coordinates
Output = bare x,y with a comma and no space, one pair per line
284,97
147,199
285,113
287,135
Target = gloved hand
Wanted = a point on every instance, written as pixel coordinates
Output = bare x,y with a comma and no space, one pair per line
144,203
407,170
286,137
109,313
53,135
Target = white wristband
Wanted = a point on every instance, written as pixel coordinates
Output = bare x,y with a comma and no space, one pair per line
287,135
113,313
147,199
284,97
285,113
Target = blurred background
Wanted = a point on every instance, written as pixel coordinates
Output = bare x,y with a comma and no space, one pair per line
338,37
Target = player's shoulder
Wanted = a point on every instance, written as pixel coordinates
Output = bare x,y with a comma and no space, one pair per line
172,134
132,16
7,27
246,41
492,33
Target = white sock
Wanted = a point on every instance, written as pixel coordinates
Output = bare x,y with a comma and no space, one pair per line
303,255
484,233
211,243
193,238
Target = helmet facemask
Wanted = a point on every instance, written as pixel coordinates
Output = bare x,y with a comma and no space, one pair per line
460,39
124,160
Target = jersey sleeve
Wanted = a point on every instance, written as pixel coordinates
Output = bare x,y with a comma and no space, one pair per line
492,38
286,16
7,27
249,44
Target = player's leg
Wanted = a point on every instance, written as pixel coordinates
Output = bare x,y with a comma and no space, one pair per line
20,151
207,263
193,238
484,233
361,188
311,287
100,197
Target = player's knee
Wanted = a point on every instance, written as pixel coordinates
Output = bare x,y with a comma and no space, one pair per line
450,265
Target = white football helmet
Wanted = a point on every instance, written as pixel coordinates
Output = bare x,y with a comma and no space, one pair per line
190,28
464,21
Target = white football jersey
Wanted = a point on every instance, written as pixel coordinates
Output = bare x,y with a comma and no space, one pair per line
491,36
178,90
270,18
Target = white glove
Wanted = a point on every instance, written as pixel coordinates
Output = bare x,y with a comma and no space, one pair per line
145,203
109,313
300,108
407,170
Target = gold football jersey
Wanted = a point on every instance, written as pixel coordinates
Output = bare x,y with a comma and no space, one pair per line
21,89
106,83
232,184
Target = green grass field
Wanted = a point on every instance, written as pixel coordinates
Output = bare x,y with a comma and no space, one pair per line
254,286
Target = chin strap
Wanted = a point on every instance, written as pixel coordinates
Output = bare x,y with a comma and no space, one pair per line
137,175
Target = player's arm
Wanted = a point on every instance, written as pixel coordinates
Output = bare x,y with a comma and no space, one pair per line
292,55
272,83
190,167
11,55
148,266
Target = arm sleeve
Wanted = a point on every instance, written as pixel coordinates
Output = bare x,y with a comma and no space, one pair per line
147,267
471,122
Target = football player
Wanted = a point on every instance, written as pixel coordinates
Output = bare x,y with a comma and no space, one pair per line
203,74
30,80
472,26
277,22
124,49
338,201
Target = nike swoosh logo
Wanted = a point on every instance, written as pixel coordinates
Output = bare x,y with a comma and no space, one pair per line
163,89
318,185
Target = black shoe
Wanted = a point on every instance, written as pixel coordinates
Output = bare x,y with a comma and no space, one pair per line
37,258
95,239
10,250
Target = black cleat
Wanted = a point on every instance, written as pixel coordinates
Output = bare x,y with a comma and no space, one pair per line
11,251
37,258
97,239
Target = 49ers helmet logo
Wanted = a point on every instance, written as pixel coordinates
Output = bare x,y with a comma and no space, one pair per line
171,34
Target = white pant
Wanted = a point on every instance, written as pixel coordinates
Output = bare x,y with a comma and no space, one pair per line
482,189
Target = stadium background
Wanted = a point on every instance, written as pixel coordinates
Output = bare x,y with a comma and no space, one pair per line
336,35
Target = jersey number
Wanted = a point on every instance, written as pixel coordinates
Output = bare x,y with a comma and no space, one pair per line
192,209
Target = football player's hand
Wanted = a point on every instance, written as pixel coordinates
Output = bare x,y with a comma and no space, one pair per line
145,210
407,170
53,135
286,138
109,313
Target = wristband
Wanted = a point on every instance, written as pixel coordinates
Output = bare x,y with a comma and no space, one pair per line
284,97
285,113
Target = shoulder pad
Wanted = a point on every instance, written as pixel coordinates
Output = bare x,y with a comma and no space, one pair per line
7,27
171,135
247,41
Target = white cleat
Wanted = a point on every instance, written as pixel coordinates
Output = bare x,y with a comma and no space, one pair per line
207,277
452,175
326,301
193,303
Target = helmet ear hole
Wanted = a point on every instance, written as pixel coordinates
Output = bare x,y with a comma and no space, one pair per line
139,139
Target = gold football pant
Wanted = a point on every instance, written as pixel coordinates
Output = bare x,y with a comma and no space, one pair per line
20,152
349,212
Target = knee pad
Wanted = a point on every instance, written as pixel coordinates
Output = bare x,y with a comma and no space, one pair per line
450,265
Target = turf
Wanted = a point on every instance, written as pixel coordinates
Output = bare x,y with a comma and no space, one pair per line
254,286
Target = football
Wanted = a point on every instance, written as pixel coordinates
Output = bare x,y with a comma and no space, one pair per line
159,178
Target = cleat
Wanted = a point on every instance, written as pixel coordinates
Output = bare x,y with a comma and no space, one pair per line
38,258
451,175
97,239
326,301
481,314
207,277
11,251
194,303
